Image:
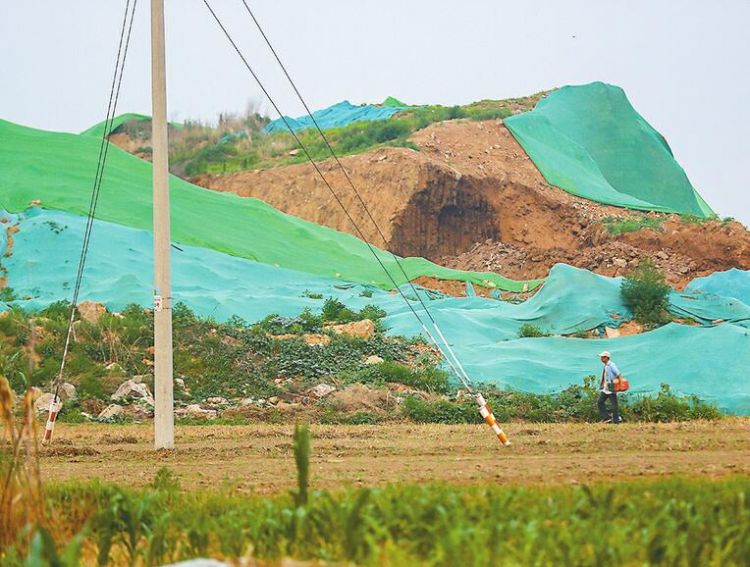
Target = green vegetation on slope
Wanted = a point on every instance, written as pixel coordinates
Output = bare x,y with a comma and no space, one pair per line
58,169
272,358
237,142
656,522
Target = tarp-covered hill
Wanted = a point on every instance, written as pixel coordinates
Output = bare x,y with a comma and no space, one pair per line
57,170
590,141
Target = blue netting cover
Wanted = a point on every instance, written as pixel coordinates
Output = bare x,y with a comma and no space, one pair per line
336,116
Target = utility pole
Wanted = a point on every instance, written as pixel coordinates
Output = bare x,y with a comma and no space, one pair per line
163,385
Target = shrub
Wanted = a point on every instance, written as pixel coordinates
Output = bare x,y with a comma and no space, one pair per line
429,379
529,330
439,411
334,311
646,294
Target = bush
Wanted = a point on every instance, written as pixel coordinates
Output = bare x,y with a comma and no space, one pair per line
429,379
528,330
439,411
646,294
334,311
666,406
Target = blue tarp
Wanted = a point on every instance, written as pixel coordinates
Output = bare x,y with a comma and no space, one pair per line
336,116
697,360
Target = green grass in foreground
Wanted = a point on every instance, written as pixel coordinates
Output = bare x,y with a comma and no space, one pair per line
662,522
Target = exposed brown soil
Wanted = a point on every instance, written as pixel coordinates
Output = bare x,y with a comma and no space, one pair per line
681,251
472,199
259,457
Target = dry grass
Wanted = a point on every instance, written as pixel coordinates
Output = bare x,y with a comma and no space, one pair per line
258,458
21,500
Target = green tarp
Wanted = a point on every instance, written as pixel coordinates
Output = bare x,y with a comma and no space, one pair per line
589,141
97,130
58,168
484,332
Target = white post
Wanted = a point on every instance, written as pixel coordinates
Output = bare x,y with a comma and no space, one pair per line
163,387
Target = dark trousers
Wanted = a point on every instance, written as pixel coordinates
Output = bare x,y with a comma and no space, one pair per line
601,404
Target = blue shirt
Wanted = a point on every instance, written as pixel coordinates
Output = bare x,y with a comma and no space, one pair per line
609,374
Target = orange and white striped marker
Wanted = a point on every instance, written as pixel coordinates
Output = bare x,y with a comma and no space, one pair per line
54,408
489,417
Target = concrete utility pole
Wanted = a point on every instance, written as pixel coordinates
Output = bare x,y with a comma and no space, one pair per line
163,385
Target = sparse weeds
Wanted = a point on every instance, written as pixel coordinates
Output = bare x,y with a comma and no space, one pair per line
617,226
528,330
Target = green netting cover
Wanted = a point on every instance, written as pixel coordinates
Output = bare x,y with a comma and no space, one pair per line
589,141
483,331
97,130
393,102
58,169
336,116
732,283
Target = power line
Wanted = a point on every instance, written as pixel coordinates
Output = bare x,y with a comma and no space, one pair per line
463,378
114,94
448,352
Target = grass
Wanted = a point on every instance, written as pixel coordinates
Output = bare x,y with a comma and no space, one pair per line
237,141
617,226
527,330
678,521
576,403
271,358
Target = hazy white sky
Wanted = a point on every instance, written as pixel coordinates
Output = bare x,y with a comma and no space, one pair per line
682,63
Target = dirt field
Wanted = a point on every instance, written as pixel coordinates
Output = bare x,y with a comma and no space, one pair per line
259,457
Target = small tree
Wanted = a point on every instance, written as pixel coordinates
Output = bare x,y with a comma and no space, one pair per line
646,293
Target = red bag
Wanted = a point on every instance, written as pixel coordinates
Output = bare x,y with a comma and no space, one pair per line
621,384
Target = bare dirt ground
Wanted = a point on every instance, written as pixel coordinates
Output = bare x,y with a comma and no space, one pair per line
258,458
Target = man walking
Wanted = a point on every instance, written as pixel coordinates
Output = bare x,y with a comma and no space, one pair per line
609,373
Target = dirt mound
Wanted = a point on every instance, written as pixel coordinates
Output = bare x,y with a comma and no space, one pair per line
681,251
471,198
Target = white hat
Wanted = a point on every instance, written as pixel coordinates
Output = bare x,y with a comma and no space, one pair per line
605,353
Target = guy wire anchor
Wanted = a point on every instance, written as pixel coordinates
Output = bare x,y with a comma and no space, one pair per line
489,417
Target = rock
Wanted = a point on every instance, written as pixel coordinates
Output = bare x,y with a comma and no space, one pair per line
91,311
322,390
42,403
294,152
620,263
273,400
244,402
112,411
195,410
611,333
217,401
662,255
373,359
139,411
180,383
35,393
316,340
364,329
360,397
133,389
67,392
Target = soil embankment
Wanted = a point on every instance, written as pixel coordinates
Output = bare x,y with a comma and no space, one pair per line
471,198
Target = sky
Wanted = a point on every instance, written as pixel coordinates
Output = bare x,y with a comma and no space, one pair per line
682,64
